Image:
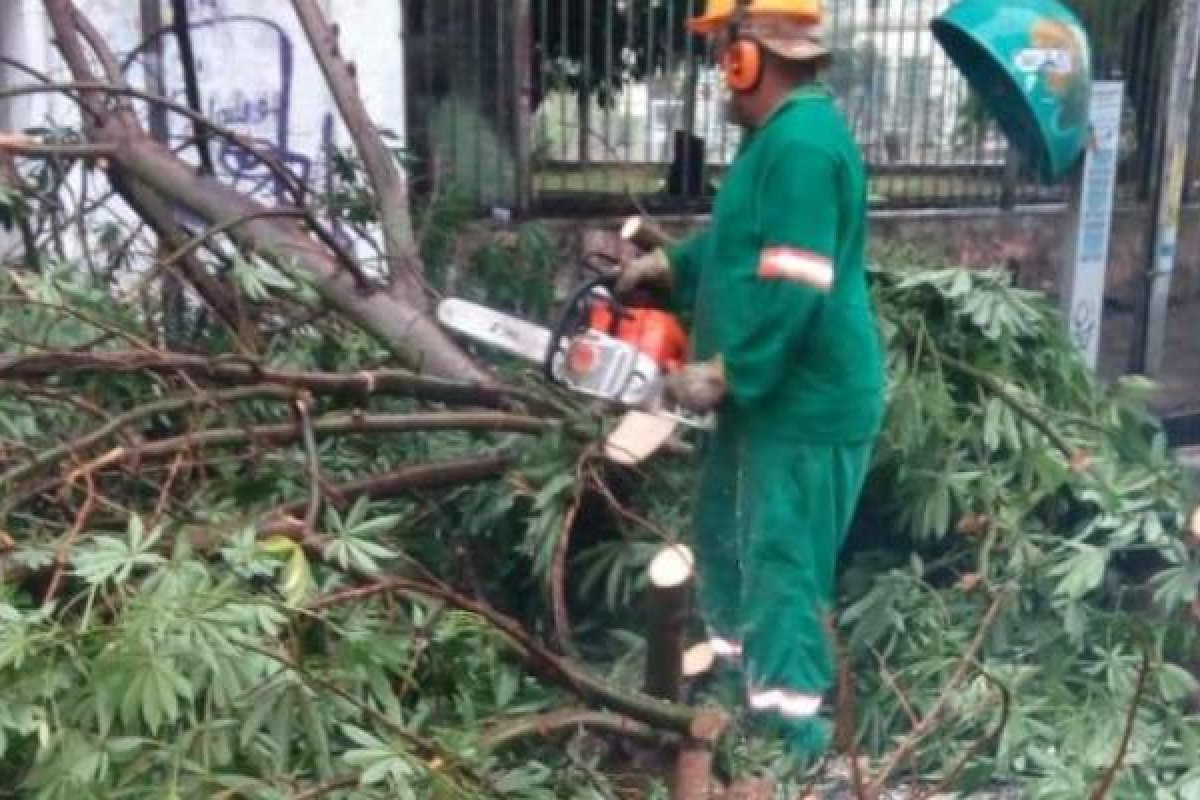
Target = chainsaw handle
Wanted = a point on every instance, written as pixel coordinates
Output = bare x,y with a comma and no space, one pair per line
574,312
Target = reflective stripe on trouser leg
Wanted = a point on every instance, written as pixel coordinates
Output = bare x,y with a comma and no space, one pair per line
787,704
799,499
725,648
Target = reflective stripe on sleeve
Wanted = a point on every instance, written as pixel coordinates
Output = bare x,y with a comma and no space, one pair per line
794,264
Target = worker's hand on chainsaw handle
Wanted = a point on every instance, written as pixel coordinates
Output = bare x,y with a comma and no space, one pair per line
651,269
698,387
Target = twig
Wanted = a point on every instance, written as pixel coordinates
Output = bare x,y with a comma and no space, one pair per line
164,495
1110,775
116,424
314,465
1000,390
404,262
977,745
434,756
846,718
910,742
415,477
28,147
558,569
63,556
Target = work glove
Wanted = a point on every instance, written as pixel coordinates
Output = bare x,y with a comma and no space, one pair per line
651,269
698,387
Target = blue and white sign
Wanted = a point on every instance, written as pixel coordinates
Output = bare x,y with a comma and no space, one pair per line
1084,294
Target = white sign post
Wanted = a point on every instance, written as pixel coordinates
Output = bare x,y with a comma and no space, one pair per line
1083,296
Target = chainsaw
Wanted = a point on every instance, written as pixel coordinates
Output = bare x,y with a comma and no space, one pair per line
601,347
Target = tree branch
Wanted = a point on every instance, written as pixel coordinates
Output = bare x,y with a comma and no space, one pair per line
918,733
235,370
47,458
412,478
506,732
1110,775
331,425
399,320
22,145
674,717
386,179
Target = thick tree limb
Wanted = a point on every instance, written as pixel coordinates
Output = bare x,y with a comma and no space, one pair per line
222,299
415,477
398,320
506,732
386,179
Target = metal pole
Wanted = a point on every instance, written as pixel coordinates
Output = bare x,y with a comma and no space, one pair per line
1148,354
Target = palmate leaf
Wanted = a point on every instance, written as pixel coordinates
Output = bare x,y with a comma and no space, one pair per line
108,558
1081,572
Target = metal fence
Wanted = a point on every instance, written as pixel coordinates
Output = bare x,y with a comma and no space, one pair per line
583,106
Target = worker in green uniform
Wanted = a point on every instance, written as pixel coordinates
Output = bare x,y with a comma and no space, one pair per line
795,373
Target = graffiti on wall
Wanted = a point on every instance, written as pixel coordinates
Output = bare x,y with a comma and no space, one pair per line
246,70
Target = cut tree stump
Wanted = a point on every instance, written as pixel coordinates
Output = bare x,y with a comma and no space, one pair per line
670,574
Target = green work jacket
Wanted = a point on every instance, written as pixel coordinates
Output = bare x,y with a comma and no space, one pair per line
800,364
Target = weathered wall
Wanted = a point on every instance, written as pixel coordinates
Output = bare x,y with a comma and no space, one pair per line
1029,242
256,73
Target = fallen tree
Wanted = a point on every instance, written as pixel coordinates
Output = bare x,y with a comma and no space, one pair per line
256,557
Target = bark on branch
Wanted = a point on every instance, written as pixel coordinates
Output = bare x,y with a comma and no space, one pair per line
240,371
398,320
386,178
330,425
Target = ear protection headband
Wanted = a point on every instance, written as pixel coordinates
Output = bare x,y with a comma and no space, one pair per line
743,58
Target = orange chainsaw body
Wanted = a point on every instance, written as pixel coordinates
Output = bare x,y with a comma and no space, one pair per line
651,331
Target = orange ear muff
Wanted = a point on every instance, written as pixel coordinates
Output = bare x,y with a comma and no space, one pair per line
743,65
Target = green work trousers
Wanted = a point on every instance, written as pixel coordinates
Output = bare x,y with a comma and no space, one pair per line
771,518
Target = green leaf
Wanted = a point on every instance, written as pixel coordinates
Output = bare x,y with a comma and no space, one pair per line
1082,572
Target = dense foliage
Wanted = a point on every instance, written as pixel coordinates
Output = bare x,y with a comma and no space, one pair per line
216,618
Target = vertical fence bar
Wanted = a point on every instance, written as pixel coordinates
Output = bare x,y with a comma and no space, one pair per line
611,156
585,99
1169,189
522,100
564,94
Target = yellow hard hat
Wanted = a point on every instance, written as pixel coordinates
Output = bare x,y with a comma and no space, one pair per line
717,12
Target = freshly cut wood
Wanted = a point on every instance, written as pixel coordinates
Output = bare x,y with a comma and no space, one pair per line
698,660
638,436
672,567
644,234
670,574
